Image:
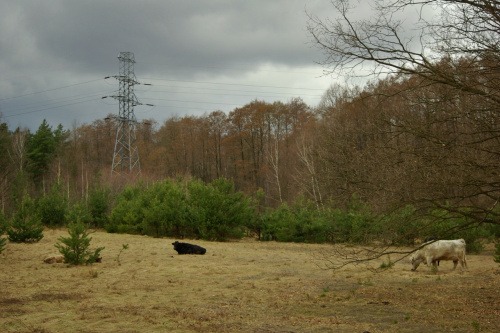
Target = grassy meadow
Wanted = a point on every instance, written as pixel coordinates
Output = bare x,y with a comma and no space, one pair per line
242,286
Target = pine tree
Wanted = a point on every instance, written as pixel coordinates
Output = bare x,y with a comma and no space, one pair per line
5,144
52,207
75,248
41,149
26,225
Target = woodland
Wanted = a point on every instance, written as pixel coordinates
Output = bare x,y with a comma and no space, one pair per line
412,153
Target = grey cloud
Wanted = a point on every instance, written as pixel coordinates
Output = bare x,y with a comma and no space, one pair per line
44,45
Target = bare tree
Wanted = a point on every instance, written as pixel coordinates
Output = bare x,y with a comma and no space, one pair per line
309,180
273,157
445,74
461,28
18,154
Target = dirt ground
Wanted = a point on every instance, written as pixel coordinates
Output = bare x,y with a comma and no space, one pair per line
244,286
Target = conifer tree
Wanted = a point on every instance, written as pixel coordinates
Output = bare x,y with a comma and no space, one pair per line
26,225
41,148
75,248
52,207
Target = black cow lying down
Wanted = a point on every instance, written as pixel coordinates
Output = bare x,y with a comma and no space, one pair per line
186,248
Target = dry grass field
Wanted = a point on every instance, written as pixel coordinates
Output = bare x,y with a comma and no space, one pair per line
244,286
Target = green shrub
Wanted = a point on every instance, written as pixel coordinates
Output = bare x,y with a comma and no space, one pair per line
175,209
4,224
445,225
127,215
26,226
254,225
52,207
497,252
167,212
400,227
216,210
99,206
356,224
300,222
75,248
79,213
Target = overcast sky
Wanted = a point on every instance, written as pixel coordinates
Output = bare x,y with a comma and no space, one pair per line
199,56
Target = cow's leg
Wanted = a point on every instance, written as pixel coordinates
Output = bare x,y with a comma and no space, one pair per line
463,263
455,262
435,266
431,264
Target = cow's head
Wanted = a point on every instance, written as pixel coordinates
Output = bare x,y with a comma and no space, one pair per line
415,261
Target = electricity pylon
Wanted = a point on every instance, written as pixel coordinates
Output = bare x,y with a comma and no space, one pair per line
126,154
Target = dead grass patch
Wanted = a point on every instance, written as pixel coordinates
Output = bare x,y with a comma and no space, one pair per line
245,286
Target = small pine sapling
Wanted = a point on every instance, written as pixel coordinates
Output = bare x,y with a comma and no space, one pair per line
26,225
124,247
75,248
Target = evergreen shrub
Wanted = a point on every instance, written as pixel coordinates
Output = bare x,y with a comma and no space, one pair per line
300,222
190,209
52,207
26,226
128,213
79,213
445,225
99,206
217,211
167,213
75,248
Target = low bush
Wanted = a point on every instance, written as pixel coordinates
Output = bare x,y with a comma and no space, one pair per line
99,200
191,209
52,207
445,225
216,211
75,248
26,226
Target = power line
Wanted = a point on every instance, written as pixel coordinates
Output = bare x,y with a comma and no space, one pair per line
50,108
233,84
53,89
244,69
53,102
218,89
220,86
195,102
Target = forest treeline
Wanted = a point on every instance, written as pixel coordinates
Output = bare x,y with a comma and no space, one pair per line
413,153
395,159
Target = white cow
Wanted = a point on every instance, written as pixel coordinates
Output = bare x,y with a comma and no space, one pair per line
440,250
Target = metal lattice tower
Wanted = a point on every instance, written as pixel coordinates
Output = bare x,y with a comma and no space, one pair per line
126,154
